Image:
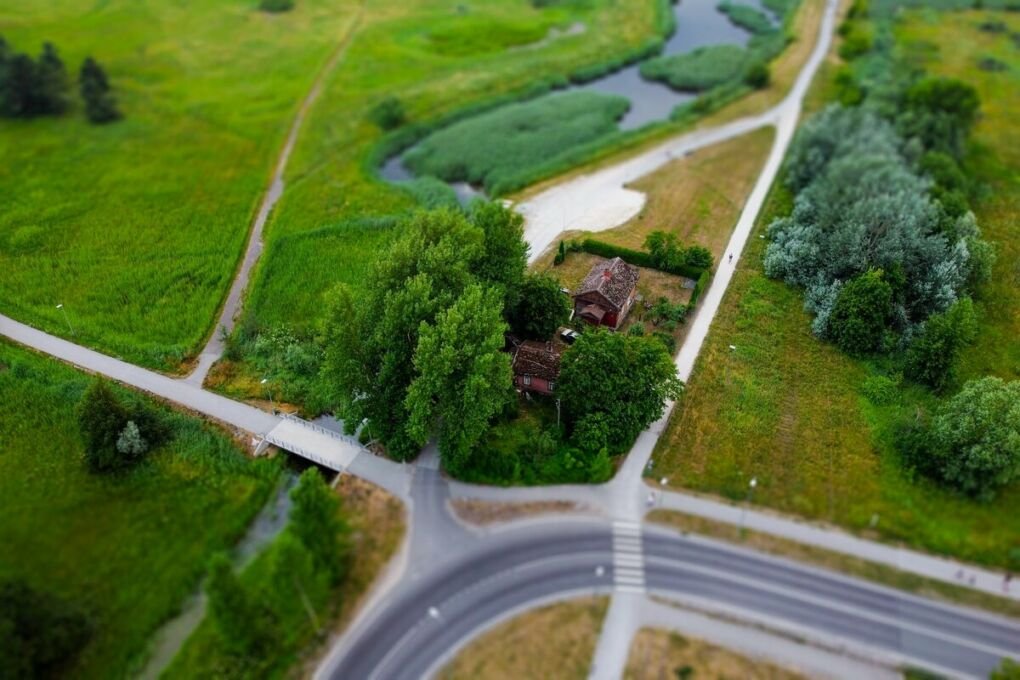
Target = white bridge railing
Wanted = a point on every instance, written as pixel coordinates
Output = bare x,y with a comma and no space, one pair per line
322,430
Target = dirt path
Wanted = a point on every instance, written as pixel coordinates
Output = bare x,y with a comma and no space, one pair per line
214,347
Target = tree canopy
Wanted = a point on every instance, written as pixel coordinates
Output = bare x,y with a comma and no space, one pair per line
540,309
623,381
316,520
39,633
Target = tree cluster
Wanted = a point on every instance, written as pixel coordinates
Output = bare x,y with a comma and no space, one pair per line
308,560
422,355
116,435
876,254
40,634
41,87
973,441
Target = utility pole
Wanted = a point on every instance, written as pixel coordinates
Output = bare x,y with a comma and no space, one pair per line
269,391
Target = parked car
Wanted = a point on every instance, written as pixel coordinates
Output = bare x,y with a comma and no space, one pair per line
569,336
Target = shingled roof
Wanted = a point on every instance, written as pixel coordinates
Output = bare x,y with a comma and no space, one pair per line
613,279
537,359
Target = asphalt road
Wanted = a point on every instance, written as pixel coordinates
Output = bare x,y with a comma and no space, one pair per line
519,568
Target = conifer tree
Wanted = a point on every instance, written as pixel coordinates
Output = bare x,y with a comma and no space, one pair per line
100,105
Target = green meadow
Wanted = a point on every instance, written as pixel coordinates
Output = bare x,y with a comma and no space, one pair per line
126,548
136,227
801,416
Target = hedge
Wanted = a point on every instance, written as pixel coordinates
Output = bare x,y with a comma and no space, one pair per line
699,288
636,257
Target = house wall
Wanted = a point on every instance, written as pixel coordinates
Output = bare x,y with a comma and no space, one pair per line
540,385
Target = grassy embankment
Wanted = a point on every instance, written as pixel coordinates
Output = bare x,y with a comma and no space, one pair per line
129,547
377,523
788,409
658,654
136,227
554,641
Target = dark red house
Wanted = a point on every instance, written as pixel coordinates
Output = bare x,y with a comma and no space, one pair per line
607,293
536,367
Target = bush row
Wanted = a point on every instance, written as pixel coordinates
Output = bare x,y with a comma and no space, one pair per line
635,257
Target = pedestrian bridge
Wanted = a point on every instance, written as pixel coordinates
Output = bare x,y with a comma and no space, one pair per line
315,443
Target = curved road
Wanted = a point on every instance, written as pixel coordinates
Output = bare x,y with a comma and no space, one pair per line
423,622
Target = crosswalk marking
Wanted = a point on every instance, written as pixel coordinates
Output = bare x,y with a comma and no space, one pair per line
628,558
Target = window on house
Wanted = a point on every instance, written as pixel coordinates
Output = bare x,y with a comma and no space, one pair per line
552,386
527,380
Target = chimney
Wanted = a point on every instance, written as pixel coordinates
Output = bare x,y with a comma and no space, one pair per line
607,273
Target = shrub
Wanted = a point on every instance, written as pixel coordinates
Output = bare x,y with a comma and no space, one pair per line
561,255
932,356
101,420
317,521
274,6
698,70
976,436
858,320
858,40
636,257
100,105
880,390
388,114
758,75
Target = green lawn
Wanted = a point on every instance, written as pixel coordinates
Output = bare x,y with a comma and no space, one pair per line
136,227
789,409
127,548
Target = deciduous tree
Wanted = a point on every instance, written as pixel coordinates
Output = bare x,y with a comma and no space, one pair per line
858,318
317,521
541,308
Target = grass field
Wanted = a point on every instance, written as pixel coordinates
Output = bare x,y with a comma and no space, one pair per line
377,523
789,410
554,641
658,654
127,548
136,227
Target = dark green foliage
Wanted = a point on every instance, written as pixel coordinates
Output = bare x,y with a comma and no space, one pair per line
699,287
100,105
858,319
561,254
53,82
848,90
274,6
758,75
975,437
242,622
388,113
699,70
494,149
940,113
39,634
669,256
505,257
32,88
932,356
318,523
858,39
747,17
992,65
541,308
624,379
101,420
1007,670
639,258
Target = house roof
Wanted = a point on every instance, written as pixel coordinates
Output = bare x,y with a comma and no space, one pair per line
537,359
613,279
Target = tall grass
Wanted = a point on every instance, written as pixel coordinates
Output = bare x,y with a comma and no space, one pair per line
128,547
136,227
700,70
492,149
747,17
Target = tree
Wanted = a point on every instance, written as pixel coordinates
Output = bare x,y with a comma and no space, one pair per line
101,420
274,6
464,377
939,112
932,356
758,75
241,622
19,90
505,256
975,437
625,379
663,248
39,634
293,578
388,113
52,81
130,443
858,320
100,105
1007,670
698,256
541,308
318,522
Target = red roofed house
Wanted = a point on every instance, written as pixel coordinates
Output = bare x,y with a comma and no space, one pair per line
536,367
607,293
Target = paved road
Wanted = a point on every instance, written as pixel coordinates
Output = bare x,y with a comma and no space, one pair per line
516,570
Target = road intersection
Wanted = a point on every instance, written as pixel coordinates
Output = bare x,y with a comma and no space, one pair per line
451,581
